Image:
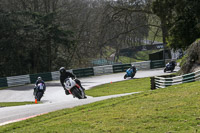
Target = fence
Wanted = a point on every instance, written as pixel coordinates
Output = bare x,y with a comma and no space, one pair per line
120,68
3,82
162,82
142,65
45,76
18,80
84,72
98,70
157,64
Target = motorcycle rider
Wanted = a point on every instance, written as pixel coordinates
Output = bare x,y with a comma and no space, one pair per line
172,64
133,68
65,74
39,80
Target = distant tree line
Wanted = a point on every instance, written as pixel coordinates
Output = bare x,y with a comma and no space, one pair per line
180,21
43,35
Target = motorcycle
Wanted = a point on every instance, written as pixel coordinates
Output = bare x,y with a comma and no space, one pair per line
170,67
39,91
129,73
74,88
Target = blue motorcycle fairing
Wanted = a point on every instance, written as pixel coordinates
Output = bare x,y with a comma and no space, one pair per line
129,72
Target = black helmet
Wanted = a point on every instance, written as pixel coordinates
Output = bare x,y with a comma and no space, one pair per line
62,70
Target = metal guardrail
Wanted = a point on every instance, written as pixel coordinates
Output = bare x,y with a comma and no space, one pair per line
157,64
83,72
162,82
55,75
45,76
142,65
3,82
121,68
99,70
18,80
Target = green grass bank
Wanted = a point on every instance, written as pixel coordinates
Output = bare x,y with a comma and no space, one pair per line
127,86
174,109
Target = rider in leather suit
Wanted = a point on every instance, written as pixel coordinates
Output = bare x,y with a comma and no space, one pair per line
65,74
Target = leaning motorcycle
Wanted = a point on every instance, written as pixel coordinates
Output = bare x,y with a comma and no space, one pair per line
39,92
169,67
129,73
74,88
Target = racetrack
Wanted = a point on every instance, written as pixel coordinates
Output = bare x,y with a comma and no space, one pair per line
55,98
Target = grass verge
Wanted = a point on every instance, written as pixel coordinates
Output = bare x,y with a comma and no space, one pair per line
2,88
127,86
174,109
7,104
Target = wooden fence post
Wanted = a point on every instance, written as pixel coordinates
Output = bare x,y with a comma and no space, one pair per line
153,85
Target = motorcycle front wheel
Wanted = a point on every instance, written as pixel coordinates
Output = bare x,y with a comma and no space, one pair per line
39,95
125,76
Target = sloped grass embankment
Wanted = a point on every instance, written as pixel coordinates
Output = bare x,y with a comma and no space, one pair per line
173,109
127,86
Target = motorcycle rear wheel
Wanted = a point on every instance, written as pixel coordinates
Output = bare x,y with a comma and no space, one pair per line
133,75
78,93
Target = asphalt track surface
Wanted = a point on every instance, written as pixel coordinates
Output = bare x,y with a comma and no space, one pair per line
55,98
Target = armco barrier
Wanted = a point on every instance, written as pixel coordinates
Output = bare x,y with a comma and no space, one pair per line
18,80
157,64
162,82
45,77
3,82
24,79
120,68
99,70
167,60
56,75
142,65
83,72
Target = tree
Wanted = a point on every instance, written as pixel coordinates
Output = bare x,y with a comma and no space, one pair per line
12,53
164,10
186,28
128,24
179,21
29,42
54,33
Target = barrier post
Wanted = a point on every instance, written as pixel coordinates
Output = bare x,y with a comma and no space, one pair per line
153,86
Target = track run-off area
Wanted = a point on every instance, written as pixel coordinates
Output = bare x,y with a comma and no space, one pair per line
55,98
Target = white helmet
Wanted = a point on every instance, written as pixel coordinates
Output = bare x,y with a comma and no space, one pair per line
39,78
